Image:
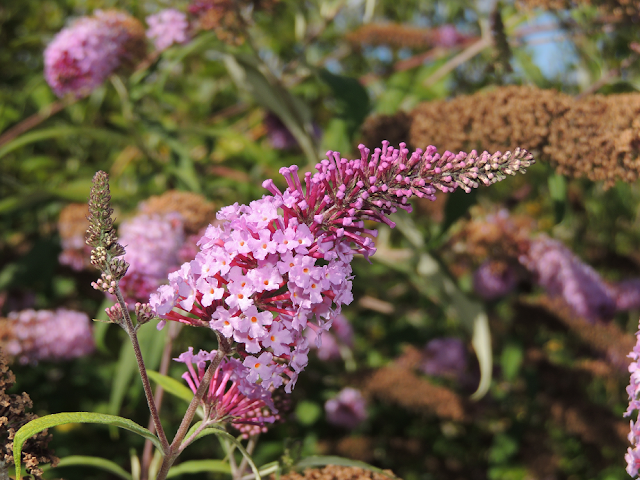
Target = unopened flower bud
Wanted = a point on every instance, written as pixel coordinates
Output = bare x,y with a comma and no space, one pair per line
143,312
115,313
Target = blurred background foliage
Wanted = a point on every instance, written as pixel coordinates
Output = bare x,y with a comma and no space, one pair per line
201,117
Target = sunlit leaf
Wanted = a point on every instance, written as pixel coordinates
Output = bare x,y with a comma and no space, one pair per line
171,385
97,462
199,466
42,423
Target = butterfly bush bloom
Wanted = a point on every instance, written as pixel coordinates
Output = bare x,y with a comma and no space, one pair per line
562,273
230,397
32,336
83,55
348,409
444,357
283,263
167,27
633,453
494,279
627,294
152,244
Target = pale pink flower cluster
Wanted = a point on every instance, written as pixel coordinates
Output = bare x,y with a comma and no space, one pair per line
260,279
167,27
230,397
633,453
83,55
562,273
152,243
348,409
263,276
45,335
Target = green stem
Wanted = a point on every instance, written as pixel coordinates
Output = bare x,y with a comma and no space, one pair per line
224,349
130,329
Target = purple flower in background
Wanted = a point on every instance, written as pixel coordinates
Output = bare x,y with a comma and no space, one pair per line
279,135
444,357
494,279
329,349
36,335
563,274
348,409
167,27
152,243
448,36
83,55
627,294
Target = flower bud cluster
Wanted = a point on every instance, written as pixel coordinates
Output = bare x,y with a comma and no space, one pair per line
144,313
115,313
107,283
230,397
343,193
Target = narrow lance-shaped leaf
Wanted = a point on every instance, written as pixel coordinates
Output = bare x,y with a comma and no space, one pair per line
42,423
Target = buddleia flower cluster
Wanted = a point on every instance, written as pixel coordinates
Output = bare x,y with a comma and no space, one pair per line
83,55
32,336
282,264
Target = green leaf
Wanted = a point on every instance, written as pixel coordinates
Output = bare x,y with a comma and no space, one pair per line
22,201
226,436
308,412
558,192
431,279
274,97
458,204
151,344
97,462
322,460
481,342
100,328
531,70
42,423
199,466
171,385
510,361
352,98
125,370
57,132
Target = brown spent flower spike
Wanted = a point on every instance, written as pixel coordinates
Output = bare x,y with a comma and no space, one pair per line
195,210
13,415
597,137
334,472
